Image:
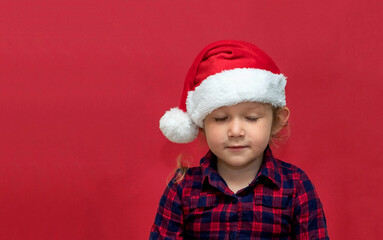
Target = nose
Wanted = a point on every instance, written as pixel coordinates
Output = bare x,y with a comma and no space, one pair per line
236,128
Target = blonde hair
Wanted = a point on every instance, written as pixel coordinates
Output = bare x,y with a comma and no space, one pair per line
182,167
280,136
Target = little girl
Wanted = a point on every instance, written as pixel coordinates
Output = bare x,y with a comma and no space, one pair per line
235,95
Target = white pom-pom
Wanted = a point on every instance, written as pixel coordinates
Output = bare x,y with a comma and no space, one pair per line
178,127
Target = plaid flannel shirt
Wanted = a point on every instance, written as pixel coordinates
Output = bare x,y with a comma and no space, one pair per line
280,203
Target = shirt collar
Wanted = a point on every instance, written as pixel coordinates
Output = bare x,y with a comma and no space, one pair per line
209,172
269,170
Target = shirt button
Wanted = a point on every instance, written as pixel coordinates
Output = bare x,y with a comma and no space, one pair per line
234,200
232,235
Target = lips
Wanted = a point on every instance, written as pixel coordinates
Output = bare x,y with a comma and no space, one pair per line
236,148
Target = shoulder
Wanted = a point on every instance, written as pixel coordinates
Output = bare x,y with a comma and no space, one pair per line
290,170
293,176
192,178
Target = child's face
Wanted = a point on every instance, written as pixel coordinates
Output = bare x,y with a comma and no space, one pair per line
239,134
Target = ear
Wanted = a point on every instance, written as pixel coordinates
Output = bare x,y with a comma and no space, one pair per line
282,118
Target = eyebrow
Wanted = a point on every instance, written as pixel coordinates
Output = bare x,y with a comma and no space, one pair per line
244,110
257,107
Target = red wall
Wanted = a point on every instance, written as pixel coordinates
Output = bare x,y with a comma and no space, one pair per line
83,85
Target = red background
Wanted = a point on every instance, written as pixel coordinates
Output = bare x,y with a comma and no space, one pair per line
83,85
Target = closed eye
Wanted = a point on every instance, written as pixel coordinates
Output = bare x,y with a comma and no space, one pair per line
220,119
252,119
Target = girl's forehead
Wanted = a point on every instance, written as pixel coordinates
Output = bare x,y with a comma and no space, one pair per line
245,106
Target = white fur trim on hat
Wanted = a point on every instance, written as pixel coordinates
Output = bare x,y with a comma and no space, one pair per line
230,87
178,127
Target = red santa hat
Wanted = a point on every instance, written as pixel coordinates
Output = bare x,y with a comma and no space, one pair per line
224,73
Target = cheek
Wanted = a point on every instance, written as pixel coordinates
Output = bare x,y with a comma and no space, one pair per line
259,137
262,132
213,137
